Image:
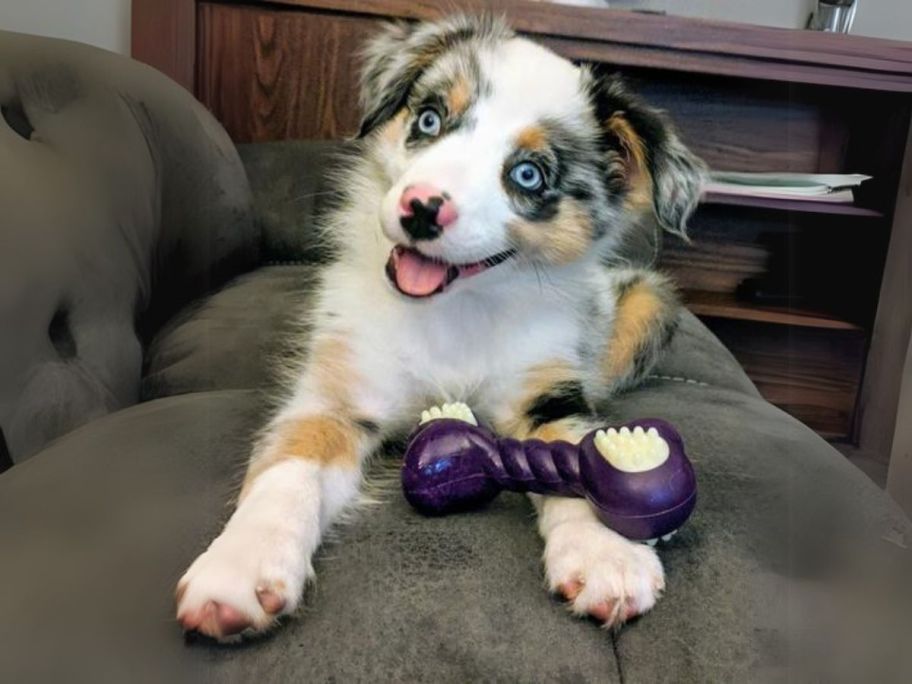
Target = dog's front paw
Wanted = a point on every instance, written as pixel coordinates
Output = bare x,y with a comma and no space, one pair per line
249,576
601,573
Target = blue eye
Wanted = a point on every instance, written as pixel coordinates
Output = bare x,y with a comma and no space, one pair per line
527,176
429,122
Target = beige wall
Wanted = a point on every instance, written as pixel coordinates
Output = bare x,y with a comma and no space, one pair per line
105,23
883,18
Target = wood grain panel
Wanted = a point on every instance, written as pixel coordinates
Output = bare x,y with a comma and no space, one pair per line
745,126
278,75
812,374
734,66
699,45
693,35
163,35
290,75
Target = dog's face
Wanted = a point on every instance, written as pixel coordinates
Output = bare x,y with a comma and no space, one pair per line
495,150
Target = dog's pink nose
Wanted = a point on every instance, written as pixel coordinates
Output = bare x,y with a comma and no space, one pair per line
425,206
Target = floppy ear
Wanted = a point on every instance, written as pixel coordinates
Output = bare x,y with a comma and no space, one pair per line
401,52
654,157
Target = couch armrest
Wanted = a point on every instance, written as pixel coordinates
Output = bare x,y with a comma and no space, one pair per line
122,199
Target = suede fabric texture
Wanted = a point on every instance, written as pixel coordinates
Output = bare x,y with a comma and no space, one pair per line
292,183
121,199
792,567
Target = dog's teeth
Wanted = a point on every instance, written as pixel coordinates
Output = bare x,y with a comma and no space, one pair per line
652,432
625,431
651,542
638,431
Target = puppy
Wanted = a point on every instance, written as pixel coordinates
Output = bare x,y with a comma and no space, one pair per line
476,259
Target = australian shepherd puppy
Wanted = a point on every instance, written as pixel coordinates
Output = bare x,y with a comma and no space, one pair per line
477,259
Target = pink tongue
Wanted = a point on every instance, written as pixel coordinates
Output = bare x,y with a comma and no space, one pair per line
417,275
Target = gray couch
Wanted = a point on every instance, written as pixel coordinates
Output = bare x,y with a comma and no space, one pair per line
148,271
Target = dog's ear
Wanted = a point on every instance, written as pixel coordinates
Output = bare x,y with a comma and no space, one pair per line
394,59
654,159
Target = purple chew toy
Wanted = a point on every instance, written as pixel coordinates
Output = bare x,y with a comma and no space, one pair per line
637,477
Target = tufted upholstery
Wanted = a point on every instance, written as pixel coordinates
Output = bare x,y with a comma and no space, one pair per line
120,200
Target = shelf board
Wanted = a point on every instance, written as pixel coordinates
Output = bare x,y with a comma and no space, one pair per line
725,305
714,198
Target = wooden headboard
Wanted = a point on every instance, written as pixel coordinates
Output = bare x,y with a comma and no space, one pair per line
744,97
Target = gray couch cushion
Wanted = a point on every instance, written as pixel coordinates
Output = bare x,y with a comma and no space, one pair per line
234,339
121,199
134,496
292,183
128,501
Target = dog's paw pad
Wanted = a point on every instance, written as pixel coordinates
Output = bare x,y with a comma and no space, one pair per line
215,619
271,599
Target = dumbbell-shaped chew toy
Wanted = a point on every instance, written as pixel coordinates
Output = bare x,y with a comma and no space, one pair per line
636,476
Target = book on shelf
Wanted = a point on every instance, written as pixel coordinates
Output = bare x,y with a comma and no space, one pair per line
810,187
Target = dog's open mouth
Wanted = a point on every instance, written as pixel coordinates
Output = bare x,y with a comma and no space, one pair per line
417,275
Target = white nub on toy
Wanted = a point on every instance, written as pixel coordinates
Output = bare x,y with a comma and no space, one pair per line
456,410
633,451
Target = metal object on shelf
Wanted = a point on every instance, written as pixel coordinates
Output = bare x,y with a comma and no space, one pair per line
834,16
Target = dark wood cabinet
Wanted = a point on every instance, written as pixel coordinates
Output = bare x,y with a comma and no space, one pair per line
814,299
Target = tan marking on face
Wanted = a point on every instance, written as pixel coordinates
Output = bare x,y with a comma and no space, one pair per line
324,439
639,181
393,131
560,240
459,96
637,312
532,138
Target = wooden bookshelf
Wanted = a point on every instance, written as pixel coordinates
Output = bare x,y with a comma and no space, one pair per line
727,305
745,98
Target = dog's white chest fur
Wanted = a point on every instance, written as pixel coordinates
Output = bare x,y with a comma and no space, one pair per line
467,346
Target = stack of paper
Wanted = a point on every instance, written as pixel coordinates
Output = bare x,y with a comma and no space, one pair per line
812,187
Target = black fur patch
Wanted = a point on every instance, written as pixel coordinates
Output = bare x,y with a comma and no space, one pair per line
368,425
563,400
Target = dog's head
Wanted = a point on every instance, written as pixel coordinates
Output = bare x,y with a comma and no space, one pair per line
494,148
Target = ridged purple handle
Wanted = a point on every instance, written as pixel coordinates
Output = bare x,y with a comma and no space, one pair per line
536,466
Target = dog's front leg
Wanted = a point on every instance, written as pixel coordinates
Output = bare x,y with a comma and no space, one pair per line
303,473
598,571
307,471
